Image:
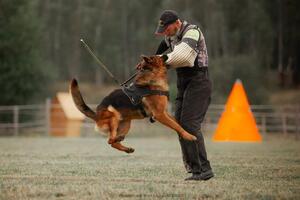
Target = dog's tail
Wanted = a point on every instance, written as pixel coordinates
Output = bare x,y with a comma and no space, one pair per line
79,102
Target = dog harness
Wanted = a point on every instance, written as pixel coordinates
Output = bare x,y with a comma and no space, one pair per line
136,92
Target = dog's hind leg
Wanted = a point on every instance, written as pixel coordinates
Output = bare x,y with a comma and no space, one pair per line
113,124
123,129
120,147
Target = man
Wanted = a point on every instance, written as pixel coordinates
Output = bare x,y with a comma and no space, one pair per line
189,57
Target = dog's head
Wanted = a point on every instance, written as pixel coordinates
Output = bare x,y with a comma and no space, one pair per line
152,72
151,63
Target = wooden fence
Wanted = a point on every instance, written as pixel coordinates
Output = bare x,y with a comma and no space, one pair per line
35,119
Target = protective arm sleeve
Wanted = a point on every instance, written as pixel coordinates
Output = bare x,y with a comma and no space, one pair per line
184,54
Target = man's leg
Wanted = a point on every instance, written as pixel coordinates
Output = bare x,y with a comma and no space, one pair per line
194,105
178,107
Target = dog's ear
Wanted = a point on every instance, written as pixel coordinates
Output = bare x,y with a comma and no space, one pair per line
146,58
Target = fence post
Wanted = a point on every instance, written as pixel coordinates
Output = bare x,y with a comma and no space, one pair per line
263,123
297,119
47,116
16,120
284,126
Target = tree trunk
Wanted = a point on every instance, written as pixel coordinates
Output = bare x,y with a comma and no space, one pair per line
74,60
280,46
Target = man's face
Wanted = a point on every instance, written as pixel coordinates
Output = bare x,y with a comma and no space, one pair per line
171,30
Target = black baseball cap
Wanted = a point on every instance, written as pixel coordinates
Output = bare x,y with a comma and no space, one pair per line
167,17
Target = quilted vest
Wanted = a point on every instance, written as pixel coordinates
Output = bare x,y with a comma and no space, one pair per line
202,56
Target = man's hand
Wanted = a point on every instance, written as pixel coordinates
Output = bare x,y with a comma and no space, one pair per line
164,57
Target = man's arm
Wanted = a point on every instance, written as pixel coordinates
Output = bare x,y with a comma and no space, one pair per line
162,47
184,53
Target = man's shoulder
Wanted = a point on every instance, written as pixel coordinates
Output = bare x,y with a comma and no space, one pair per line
192,33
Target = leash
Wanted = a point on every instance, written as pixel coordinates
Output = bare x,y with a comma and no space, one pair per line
104,67
130,78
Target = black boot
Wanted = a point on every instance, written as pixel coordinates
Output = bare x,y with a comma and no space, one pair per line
204,176
207,175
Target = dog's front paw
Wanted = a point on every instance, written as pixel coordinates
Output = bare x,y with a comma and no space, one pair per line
189,137
193,138
130,150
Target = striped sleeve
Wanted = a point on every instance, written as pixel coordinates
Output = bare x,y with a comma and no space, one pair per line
182,56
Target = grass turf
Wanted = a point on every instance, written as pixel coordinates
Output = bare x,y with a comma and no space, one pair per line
88,168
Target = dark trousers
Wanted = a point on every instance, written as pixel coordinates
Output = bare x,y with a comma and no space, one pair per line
193,99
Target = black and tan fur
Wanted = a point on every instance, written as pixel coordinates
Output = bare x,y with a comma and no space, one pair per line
115,113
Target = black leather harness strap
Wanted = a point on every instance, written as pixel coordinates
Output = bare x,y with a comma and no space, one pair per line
135,93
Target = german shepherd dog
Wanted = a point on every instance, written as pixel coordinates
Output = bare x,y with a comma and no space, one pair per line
114,114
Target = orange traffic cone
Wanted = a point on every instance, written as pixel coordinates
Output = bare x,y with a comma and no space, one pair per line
237,123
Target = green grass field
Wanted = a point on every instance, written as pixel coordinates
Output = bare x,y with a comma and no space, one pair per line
87,168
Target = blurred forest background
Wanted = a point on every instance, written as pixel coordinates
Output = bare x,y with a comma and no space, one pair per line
257,41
